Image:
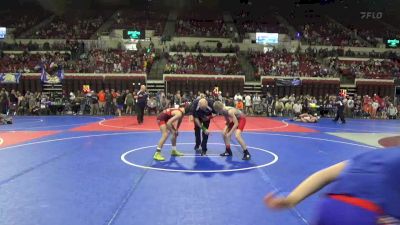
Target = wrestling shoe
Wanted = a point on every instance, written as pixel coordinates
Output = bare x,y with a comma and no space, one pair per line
176,153
197,148
158,156
246,156
203,153
226,153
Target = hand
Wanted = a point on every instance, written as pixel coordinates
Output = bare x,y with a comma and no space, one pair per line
206,132
274,202
176,133
386,220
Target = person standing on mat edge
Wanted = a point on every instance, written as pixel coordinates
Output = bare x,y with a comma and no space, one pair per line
166,121
340,110
364,190
235,122
202,111
141,102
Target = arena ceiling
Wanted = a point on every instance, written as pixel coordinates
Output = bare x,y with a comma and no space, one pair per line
353,7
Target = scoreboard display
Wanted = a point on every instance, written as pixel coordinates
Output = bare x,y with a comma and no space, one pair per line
134,34
3,32
267,38
392,43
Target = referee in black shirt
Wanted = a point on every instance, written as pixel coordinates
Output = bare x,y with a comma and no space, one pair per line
340,110
141,102
202,110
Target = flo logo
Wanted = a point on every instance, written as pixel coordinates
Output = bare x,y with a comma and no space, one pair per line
371,15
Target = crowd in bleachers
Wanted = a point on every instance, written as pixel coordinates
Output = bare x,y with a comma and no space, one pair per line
284,63
68,45
30,62
22,20
202,24
95,61
200,64
248,23
369,69
141,20
330,34
73,25
202,28
372,31
112,61
182,47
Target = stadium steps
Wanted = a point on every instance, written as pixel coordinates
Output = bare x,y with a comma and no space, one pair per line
105,27
157,70
33,29
154,86
346,80
252,87
247,68
348,30
350,88
52,88
169,29
228,20
291,29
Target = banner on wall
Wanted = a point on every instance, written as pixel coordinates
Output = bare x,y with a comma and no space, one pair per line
9,78
287,82
57,76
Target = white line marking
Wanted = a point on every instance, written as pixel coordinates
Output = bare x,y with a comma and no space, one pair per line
101,123
269,128
197,155
312,138
339,126
53,126
198,171
134,133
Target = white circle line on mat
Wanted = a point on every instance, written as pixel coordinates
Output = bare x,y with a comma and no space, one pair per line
123,158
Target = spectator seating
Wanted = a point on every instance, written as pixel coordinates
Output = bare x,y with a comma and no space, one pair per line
248,23
200,64
368,68
23,19
283,63
73,25
142,20
194,24
96,61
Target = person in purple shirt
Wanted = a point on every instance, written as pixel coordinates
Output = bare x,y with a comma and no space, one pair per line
362,191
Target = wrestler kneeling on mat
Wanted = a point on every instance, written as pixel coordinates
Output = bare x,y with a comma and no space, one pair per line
235,122
166,121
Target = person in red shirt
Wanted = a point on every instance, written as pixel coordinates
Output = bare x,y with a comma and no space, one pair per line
169,122
235,123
